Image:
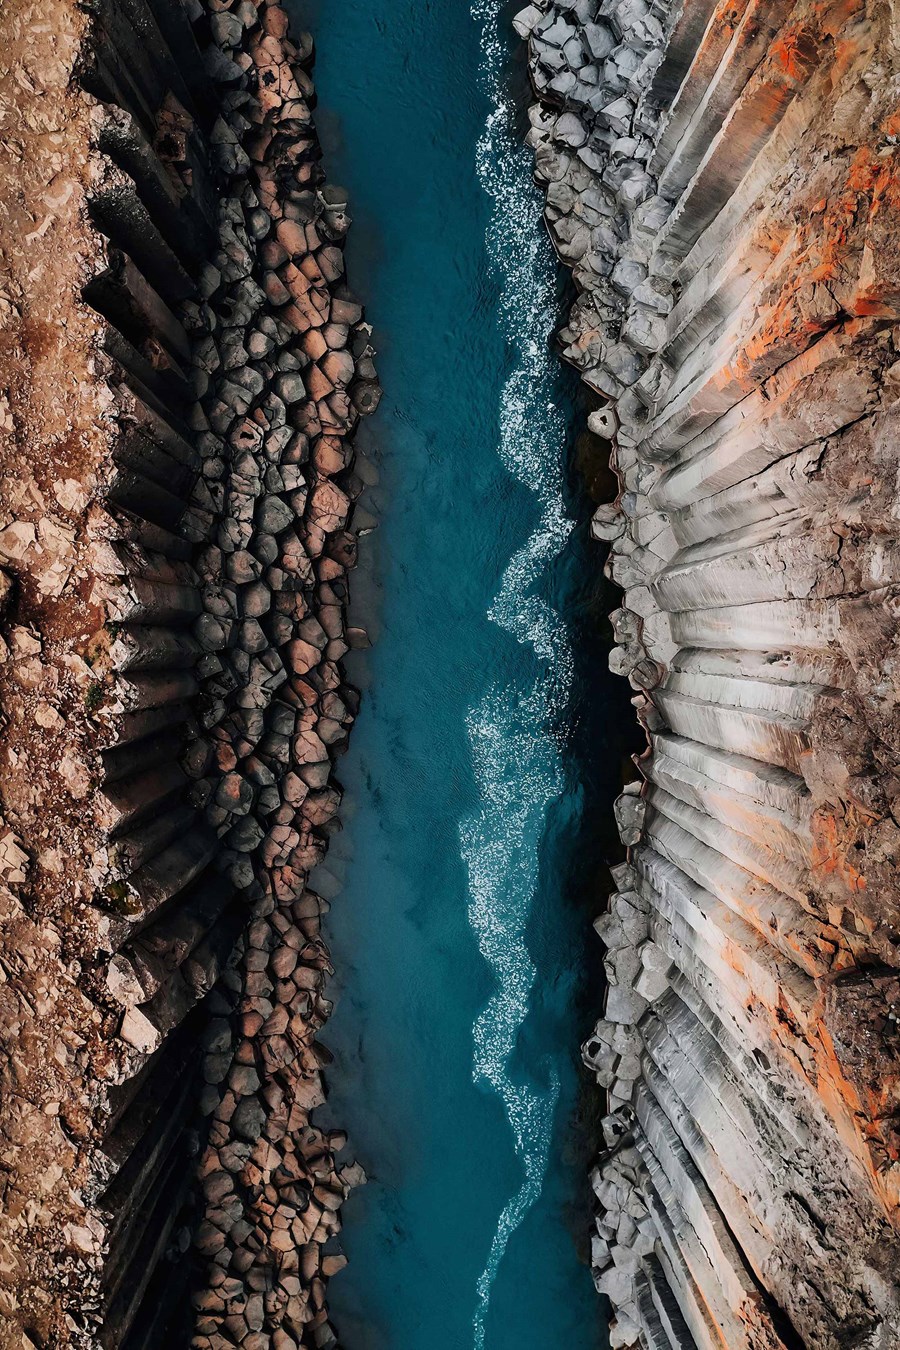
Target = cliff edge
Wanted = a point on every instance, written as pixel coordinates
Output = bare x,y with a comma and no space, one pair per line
724,181
182,367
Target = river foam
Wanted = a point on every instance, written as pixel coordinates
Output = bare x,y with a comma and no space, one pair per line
515,733
471,713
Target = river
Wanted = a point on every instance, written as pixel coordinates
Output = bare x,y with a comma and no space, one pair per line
470,860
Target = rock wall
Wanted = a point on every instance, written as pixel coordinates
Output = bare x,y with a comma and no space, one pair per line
724,181
181,370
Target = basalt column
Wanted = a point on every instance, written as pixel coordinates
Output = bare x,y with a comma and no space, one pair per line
181,370
724,181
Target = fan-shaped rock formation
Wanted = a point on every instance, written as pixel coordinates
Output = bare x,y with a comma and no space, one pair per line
723,181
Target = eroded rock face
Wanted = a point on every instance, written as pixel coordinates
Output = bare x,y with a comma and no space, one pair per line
722,179
182,368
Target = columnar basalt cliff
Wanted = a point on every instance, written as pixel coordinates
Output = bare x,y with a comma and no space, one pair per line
724,181
182,368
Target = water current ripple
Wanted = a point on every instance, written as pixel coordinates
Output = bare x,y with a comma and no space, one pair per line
515,736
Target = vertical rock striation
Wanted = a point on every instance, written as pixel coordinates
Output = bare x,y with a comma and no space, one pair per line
724,181
182,368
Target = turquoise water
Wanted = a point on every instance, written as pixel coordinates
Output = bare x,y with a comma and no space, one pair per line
480,769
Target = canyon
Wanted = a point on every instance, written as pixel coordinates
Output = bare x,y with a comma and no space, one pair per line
184,372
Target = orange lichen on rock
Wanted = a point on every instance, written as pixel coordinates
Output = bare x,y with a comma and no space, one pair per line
834,850
750,361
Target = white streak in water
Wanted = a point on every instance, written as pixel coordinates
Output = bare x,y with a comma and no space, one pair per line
517,763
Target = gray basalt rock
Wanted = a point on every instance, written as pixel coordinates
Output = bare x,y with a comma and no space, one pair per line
753,878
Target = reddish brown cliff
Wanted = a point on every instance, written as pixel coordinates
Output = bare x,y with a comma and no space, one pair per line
181,370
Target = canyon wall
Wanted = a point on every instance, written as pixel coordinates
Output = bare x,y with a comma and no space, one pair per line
723,179
181,370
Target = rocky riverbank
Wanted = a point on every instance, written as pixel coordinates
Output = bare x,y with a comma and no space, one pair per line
721,180
185,367
283,370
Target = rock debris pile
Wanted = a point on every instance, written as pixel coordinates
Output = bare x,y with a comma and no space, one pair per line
722,179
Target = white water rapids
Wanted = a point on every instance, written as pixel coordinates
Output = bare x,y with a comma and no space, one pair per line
513,729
